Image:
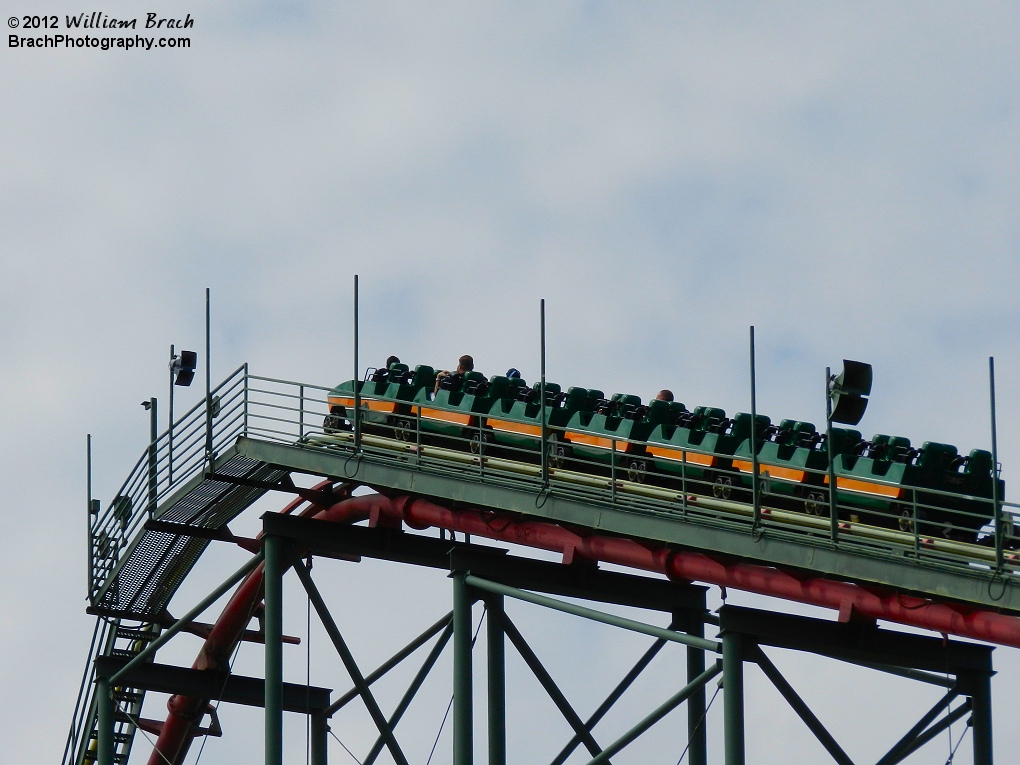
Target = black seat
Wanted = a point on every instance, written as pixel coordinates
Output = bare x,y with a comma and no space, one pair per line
451,382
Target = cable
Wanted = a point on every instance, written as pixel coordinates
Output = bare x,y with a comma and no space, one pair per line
952,754
344,746
698,726
148,738
450,705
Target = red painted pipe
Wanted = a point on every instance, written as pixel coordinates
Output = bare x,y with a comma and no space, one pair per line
420,514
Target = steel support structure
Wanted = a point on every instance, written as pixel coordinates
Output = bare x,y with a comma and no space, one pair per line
490,575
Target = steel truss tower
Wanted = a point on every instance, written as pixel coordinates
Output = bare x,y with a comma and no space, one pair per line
487,576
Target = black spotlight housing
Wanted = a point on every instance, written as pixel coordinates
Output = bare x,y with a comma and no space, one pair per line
183,368
848,390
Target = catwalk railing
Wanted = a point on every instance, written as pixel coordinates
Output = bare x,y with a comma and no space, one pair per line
924,527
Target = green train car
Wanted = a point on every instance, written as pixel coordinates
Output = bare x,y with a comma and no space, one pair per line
931,491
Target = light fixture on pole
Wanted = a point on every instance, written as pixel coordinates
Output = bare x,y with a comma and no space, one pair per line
182,372
845,403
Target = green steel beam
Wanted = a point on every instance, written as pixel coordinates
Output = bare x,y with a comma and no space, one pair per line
733,698
911,674
803,711
546,681
349,663
463,723
981,699
833,562
496,678
273,625
104,722
589,613
320,740
663,710
224,686
697,721
856,642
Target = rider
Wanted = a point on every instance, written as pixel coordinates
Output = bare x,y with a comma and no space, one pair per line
465,364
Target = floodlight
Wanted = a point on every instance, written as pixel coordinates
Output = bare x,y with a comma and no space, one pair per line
847,391
183,368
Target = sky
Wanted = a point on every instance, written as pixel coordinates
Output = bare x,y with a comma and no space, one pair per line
843,176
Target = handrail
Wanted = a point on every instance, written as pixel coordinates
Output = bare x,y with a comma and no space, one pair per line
291,412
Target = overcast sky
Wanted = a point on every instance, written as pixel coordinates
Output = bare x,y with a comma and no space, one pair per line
844,176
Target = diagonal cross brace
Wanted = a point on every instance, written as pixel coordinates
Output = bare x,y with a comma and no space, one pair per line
664,709
612,698
898,752
935,730
348,659
550,686
390,663
803,711
412,689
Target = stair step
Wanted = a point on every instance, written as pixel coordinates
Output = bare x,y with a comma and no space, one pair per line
118,757
126,633
123,653
130,697
118,738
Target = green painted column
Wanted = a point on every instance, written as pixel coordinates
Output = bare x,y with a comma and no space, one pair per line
104,722
320,739
273,574
463,724
733,698
981,718
496,679
697,727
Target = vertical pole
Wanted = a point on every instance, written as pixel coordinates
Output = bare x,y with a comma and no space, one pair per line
545,436
833,511
356,421
246,398
170,424
273,573
104,722
208,384
755,491
153,475
981,718
463,745
496,679
612,471
88,483
697,724
301,412
996,509
320,740
733,698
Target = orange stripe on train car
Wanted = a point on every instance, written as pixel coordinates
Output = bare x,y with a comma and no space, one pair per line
679,455
370,404
516,427
867,487
599,442
774,471
444,416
